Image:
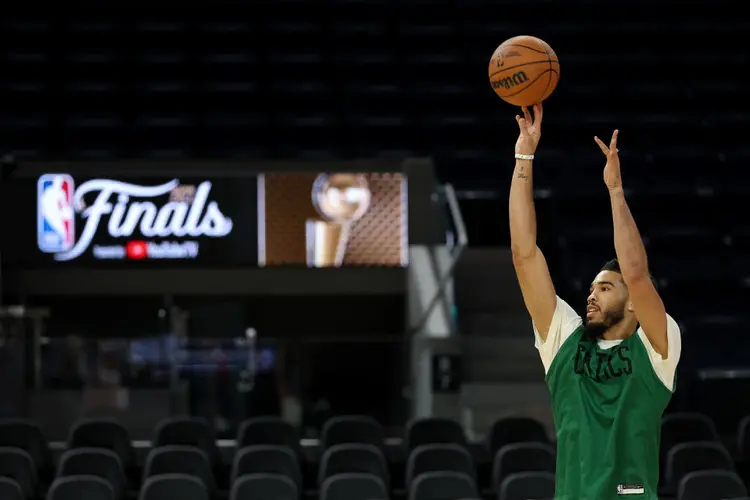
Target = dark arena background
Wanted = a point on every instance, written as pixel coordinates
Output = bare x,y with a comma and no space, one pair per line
191,312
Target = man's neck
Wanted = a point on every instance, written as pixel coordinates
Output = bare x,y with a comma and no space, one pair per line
621,330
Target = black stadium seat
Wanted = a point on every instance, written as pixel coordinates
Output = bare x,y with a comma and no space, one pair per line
10,490
685,458
432,431
180,460
97,462
182,486
28,436
353,457
679,428
18,465
353,486
188,431
347,429
103,433
442,485
522,457
80,488
528,486
515,429
439,457
711,485
264,487
268,430
270,459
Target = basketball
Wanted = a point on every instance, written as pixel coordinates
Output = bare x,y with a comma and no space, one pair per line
524,70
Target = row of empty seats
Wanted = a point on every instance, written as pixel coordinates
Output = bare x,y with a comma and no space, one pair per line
353,456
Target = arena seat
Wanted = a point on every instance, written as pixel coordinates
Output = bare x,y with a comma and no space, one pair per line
97,462
345,429
353,486
28,436
10,490
181,486
685,458
18,465
442,484
353,457
511,430
527,486
521,457
439,457
103,433
268,430
264,486
710,485
177,459
80,487
432,431
188,431
267,459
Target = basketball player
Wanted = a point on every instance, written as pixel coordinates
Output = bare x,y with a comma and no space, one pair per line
612,375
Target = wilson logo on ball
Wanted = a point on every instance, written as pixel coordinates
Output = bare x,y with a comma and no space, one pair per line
510,81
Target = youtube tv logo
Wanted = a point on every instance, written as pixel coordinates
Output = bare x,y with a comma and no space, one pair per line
136,250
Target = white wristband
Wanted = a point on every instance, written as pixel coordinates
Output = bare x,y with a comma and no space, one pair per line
524,157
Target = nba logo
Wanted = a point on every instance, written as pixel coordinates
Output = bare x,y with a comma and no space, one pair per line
55,215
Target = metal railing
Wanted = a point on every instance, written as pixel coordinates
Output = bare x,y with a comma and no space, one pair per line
457,249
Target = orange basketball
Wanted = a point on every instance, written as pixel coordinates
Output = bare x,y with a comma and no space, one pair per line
524,70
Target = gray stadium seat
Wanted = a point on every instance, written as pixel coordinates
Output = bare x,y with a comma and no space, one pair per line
180,460
188,431
10,490
521,457
103,433
442,485
97,462
439,457
353,457
353,486
17,464
28,436
181,486
515,430
679,428
685,458
527,486
269,430
264,487
432,431
710,485
267,459
347,429
80,488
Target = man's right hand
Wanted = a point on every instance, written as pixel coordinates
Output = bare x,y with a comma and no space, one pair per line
530,130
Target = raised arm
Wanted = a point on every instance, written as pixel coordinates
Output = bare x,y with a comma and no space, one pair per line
646,302
531,266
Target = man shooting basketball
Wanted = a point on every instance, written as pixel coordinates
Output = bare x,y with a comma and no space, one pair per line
611,376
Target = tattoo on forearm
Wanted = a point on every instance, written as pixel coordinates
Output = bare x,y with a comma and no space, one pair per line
521,174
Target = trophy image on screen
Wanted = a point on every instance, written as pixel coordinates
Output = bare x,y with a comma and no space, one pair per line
340,199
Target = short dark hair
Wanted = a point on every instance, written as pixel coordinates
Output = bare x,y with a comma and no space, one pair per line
614,266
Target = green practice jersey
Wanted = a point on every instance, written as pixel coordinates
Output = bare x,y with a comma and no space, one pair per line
607,400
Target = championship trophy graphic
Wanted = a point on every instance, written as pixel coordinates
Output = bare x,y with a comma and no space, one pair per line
340,199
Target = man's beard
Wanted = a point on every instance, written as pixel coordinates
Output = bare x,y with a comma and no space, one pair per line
594,330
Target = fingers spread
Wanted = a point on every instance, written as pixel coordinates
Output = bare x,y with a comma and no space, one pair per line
602,146
613,142
526,114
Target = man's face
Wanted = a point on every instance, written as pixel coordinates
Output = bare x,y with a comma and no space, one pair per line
607,301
